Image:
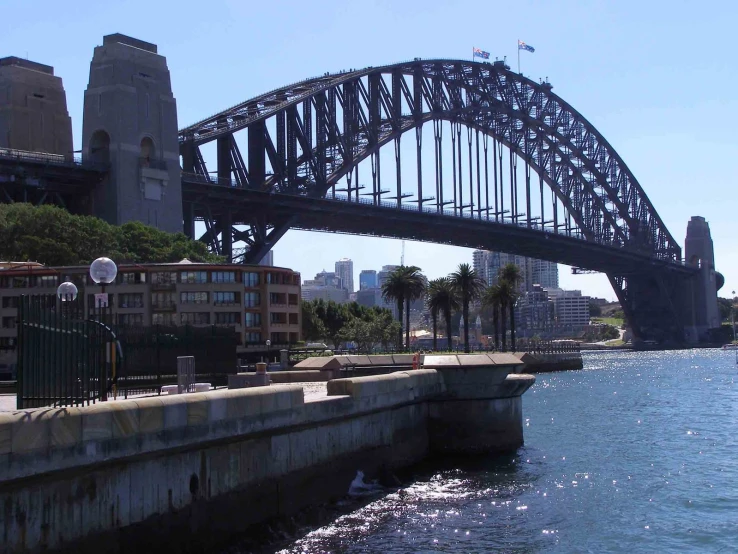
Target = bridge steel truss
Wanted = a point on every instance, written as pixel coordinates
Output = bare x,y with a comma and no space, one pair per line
301,140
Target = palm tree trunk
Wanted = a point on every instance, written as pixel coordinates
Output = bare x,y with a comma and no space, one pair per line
503,313
434,315
448,330
512,326
466,326
400,304
496,321
407,324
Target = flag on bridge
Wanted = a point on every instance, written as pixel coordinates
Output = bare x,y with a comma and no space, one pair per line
523,46
480,54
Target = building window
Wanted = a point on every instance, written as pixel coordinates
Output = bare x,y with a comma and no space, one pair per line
7,343
163,278
131,300
9,322
277,298
278,317
132,320
10,301
163,300
46,280
293,300
194,277
224,276
293,319
227,318
195,318
19,282
252,299
251,279
193,297
251,319
225,298
164,319
132,278
252,337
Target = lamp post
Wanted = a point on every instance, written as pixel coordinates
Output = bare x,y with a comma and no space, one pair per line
67,292
103,272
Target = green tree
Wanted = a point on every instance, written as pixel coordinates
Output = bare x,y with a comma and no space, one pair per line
334,316
312,326
468,287
403,285
52,236
511,273
442,301
492,300
506,296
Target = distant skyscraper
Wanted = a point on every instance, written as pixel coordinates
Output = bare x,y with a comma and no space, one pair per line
382,275
367,279
480,263
533,272
345,270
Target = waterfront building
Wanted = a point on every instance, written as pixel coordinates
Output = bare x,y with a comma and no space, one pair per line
367,279
260,303
534,312
345,271
571,309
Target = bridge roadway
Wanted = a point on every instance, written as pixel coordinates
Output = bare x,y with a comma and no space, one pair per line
385,220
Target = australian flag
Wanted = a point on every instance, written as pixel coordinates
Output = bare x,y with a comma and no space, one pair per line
481,54
523,46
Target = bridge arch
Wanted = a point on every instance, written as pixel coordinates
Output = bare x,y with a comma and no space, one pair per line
304,138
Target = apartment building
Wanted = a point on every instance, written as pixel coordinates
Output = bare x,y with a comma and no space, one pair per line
262,303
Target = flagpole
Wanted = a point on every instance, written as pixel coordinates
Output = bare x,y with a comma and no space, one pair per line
518,55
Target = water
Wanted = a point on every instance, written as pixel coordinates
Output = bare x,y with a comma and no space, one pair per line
635,453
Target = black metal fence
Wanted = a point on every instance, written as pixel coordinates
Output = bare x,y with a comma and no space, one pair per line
70,357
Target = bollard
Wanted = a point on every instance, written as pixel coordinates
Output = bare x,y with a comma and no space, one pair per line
261,368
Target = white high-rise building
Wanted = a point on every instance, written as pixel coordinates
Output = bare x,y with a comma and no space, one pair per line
345,270
534,272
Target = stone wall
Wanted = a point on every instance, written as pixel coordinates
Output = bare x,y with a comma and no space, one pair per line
184,472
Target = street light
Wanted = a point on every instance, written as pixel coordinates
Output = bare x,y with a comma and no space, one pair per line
103,272
67,291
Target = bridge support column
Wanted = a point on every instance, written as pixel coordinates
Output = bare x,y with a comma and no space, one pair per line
702,288
130,122
189,219
226,226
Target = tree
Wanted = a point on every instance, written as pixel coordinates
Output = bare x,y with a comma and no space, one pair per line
442,300
336,316
312,325
506,296
468,287
404,284
511,273
594,310
52,236
492,299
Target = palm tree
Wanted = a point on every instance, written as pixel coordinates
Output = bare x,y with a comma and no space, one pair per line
442,299
415,288
491,299
404,284
468,287
511,273
505,295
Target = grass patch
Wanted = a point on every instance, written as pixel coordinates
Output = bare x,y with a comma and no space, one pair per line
614,321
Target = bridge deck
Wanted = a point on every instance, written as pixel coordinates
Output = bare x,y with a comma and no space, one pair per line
322,214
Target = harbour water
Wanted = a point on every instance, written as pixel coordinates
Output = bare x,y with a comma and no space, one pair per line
638,452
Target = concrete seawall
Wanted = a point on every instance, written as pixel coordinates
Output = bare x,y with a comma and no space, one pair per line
185,472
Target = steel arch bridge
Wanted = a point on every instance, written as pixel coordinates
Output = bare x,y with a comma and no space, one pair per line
305,143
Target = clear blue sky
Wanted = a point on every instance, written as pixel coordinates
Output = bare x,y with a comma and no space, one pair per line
658,80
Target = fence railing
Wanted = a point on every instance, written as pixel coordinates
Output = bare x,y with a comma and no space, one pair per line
67,357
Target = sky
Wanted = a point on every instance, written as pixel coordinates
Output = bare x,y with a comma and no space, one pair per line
657,79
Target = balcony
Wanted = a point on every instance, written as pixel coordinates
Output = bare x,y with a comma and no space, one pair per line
164,285
230,303
164,306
